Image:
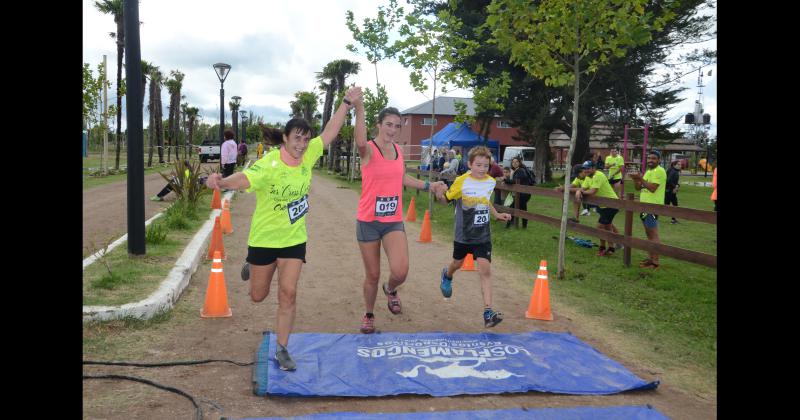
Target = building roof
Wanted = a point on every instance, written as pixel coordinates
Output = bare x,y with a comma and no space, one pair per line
445,105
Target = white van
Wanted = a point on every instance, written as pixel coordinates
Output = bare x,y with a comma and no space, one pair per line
526,152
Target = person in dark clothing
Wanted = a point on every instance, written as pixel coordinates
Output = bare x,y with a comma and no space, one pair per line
525,177
673,184
496,172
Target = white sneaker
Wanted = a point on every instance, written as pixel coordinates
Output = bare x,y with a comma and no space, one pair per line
585,212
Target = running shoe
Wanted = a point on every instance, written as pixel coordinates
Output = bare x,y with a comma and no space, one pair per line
156,198
446,285
246,271
394,304
601,252
285,361
491,318
368,324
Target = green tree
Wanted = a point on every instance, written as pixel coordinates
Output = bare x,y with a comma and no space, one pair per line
561,40
91,96
304,106
374,103
114,8
191,113
425,46
174,85
375,35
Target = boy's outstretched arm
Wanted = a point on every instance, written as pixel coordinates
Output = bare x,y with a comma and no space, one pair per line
499,216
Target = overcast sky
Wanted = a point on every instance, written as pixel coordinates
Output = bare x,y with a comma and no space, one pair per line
275,49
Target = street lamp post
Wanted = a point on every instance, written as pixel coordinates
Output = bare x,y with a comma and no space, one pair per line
222,71
243,114
236,100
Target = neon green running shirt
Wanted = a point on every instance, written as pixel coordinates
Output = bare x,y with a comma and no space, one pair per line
279,220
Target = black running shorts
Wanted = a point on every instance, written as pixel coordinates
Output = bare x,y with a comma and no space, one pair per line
267,256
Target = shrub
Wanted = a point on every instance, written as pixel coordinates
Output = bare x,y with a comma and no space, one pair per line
156,233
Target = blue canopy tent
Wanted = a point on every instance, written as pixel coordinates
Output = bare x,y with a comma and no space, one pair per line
459,135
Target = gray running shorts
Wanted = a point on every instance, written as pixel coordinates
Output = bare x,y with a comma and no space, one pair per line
373,231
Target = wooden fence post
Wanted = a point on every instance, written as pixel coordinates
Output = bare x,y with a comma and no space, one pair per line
516,205
628,232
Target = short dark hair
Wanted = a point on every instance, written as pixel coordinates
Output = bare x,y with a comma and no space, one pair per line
386,111
297,123
228,134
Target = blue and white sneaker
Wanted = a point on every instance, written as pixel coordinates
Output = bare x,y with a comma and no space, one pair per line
491,318
446,284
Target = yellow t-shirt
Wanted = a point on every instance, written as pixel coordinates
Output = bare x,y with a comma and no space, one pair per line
472,215
654,176
604,188
614,166
281,198
577,182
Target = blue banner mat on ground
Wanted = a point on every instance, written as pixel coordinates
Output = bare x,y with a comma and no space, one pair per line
439,364
577,413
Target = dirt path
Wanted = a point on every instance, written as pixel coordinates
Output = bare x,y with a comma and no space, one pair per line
330,300
105,209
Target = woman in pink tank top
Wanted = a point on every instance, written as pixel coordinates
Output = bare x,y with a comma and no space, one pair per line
379,220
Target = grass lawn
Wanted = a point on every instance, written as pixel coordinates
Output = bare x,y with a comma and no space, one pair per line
94,161
133,279
667,317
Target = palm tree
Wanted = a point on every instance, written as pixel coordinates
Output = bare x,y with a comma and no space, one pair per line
152,73
174,87
327,82
158,80
114,8
184,110
191,112
304,106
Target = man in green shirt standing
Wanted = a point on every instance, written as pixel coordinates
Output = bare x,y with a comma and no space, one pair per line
600,187
614,164
652,186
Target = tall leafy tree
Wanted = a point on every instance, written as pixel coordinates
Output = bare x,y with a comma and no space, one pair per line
114,8
425,46
374,37
561,40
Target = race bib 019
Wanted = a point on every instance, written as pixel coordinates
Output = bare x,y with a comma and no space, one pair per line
481,217
386,206
298,209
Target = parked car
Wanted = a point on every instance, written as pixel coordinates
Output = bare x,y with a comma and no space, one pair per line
525,152
208,150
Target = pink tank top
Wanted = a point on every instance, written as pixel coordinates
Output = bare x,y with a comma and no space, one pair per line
381,187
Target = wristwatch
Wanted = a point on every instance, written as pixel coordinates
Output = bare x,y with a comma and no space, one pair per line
345,100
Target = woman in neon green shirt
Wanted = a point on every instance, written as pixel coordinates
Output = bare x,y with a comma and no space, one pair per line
277,239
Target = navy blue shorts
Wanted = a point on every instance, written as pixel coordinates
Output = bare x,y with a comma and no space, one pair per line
650,220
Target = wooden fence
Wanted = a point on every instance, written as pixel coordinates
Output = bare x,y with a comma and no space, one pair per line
629,206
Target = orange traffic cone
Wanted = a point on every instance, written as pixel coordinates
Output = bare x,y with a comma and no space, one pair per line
216,305
469,263
411,216
216,240
425,233
225,219
539,308
215,204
